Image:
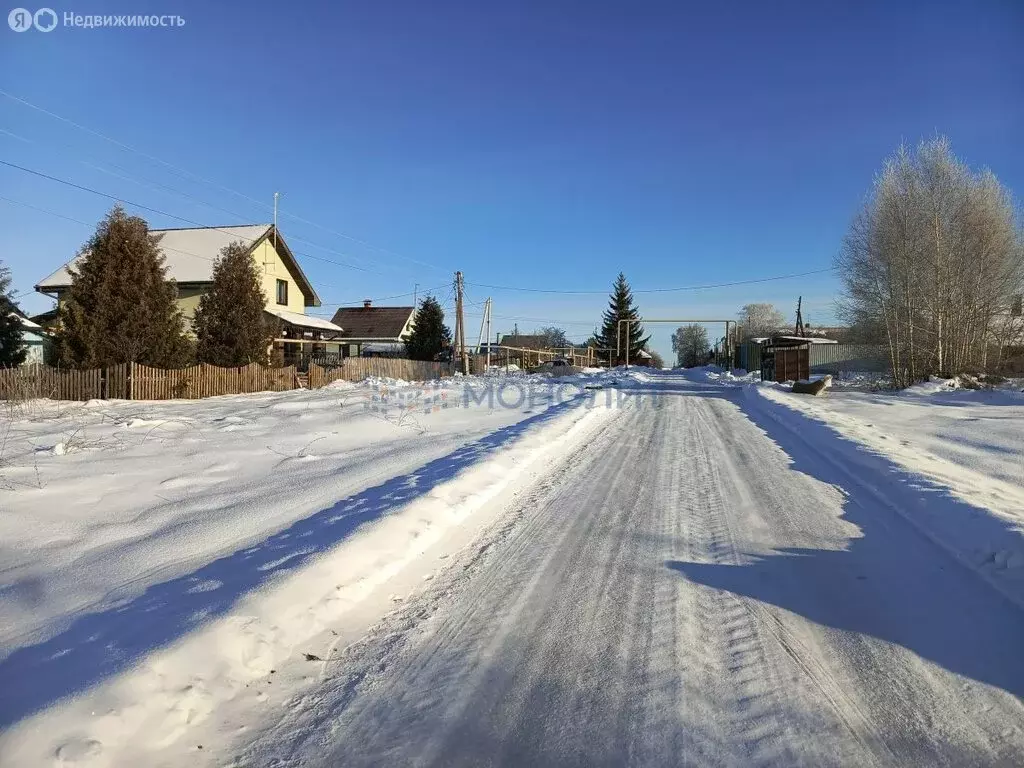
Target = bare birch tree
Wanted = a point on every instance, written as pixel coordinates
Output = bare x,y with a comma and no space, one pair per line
760,320
935,258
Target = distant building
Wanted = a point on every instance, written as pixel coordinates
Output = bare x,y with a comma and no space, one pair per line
524,341
374,331
643,357
35,339
834,332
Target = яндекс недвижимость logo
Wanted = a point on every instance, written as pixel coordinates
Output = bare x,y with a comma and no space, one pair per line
22,19
46,20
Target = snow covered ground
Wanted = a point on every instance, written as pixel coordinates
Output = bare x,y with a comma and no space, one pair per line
127,528
642,568
101,499
968,444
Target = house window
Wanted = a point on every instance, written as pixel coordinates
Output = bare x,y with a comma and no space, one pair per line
282,292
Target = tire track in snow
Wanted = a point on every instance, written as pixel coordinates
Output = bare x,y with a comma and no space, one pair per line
381,674
761,621
735,650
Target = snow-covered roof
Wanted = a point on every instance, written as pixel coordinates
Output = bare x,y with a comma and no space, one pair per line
808,339
189,255
804,339
305,321
27,324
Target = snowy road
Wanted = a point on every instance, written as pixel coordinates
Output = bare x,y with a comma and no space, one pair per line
709,580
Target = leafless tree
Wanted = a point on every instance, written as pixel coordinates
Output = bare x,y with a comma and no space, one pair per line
554,337
690,343
760,320
935,259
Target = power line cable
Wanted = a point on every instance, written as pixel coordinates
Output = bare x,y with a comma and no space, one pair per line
87,224
658,290
181,171
159,212
44,210
423,291
124,175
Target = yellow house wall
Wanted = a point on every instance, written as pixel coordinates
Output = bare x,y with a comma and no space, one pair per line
272,269
188,301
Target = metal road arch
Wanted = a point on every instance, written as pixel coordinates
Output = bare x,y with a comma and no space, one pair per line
618,332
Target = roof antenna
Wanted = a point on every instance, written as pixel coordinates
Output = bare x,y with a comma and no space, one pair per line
276,195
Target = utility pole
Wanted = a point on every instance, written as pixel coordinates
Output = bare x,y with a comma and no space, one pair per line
799,330
480,337
487,321
415,293
455,336
460,325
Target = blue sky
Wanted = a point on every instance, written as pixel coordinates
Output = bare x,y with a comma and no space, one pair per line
528,144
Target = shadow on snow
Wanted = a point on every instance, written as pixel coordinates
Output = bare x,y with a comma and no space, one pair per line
102,644
888,583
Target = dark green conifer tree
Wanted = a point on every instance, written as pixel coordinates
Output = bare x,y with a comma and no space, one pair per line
231,326
429,334
121,307
621,307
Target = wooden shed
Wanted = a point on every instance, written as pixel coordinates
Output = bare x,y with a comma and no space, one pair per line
785,358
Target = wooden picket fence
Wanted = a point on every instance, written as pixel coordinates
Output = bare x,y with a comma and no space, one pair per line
206,380
32,382
119,386
131,381
359,368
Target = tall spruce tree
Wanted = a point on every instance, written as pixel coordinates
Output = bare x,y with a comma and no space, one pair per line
121,307
12,350
429,335
621,307
230,325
